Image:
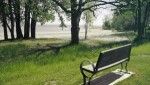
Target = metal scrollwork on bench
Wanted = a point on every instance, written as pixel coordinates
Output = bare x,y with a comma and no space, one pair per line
85,77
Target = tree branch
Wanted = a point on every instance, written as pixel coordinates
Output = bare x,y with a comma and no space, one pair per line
8,27
61,6
99,4
80,4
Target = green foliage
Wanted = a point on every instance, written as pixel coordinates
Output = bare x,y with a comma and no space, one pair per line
43,10
123,22
89,16
141,14
107,25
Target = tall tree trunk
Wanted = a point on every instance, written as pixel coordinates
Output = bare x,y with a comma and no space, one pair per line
5,28
4,21
18,20
11,19
136,21
75,20
34,19
86,30
146,17
140,32
27,20
33,28
86,25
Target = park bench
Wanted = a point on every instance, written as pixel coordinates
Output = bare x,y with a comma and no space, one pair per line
106,59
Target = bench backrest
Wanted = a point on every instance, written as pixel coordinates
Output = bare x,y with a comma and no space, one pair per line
114,55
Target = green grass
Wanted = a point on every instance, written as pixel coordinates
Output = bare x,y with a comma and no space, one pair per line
19,65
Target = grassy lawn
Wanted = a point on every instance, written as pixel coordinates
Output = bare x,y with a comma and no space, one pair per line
20,64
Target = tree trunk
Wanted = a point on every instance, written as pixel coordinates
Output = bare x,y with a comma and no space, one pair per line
146,17
4,21
136,22
18,20
33,28
86,30
140,32
11,19
86,26
75,20
27,20
5,29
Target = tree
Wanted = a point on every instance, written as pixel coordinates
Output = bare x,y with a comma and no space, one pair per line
75,8
27,19
18,18
42,11
33,26
122,22
11,16
133,16
4,18
88,21
107,24
145,18
34,13
141,12
14,12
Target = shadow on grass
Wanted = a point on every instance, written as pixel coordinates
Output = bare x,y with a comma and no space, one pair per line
137,42
43,53
12,51
55,48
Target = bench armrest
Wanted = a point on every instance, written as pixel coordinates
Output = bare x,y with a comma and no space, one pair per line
88,61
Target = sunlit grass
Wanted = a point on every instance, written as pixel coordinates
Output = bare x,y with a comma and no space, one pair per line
139,64
20,66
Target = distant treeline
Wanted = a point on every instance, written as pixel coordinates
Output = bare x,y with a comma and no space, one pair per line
133,17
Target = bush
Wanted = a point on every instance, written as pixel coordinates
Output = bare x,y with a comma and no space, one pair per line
124,22
107,25
121,22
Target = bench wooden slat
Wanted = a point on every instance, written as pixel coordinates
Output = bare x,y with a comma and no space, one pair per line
90,69
113,55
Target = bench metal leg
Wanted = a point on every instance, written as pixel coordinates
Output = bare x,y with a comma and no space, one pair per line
84,76
121,67
126,67
86,79
89,81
